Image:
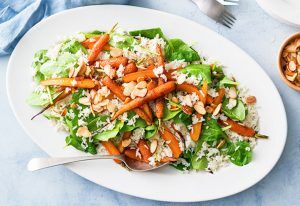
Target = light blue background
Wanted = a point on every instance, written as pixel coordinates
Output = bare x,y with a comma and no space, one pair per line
255,32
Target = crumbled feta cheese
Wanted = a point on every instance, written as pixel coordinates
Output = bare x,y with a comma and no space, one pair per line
158,71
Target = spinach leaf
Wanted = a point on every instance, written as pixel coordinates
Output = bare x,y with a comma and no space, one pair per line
228,82
150,131
73,46
197,70
217,71
168,114
140,123
211,131
183,118
148,33
186,156
92,33
176,49
237,113
73,140
199,163
124,40
106,135
240,153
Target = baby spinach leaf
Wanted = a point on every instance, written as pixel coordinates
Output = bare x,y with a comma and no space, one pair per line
199,163
183,118
148,33
240,153
140,123
168,114
176,49
211,131
187,156
150,131
197,70
237,113
228,82
73,140
106,135
92,33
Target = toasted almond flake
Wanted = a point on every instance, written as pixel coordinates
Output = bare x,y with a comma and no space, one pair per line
292,66
138,93
97,98
111,107
291,78
71,72
97,108
298,58
232,93
85,101
291,48
83,132
116,52
126,142
153,146
141,85
104,102
250,100
217,110
92,93
175,99
199,107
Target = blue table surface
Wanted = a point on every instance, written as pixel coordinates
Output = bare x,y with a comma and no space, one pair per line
255,32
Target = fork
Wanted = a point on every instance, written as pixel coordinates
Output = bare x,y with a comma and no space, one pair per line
216,11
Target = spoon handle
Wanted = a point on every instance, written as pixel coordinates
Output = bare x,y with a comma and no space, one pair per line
42,163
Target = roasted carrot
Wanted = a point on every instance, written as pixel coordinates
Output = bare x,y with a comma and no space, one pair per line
187,110
151,67
217,100
209,99
69,82
147,110
98,46
159,105
160,58
196,129
167,159
60,97
111,149
89,43
188,88
204,91
151,95
144,150
131,153
173,142
130,68
240,129
125,136
118,91
114,62
139,74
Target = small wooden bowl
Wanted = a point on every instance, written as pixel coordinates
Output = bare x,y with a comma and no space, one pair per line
280,59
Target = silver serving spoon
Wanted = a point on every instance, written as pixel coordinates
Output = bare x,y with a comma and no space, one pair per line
133,165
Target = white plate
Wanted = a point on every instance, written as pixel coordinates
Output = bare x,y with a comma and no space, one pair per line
166,184
287,11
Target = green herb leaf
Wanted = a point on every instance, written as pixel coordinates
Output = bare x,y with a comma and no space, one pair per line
199,163
176,49
106,135
211,131
198,70
150,131
183,118
148,33
73,46
168,114
240,153
237,113
228,82
92,33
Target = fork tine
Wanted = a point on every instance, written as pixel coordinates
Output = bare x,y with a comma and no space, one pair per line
227,18
229,14
224,23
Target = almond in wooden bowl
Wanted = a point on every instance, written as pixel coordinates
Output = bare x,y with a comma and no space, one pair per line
289,61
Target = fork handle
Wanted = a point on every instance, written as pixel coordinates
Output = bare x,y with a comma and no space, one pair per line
208,7
42,163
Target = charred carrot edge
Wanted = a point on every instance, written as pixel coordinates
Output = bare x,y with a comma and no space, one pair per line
139,74
130,68
118,91
168,159
111,149
144,150
148,111
114,62
89,43
196,129
240,129
60,97
159,105
160,58
190,89
69,82
151,95
125,136
98,46
151,67
131,153
219,98
173,143
209,99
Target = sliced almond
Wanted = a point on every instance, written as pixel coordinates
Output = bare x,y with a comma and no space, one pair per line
128,88
97,98
232,93
199,107
93,93
71,72
111,107
138,93
291,48
97,108
153,146
126,142
298,58
141,85
292,66
175,99
116,52
83,132
217,110
250,100
103,103
85,101
291,78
